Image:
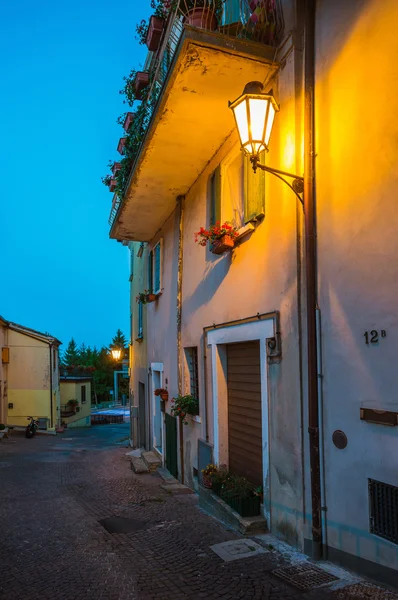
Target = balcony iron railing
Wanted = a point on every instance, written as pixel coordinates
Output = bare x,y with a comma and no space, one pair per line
254,20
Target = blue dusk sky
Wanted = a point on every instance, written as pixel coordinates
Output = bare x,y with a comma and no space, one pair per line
62,68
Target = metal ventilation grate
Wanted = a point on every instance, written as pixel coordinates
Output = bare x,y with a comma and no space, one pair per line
304,576
383,510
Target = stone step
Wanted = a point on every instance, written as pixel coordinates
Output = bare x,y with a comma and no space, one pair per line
151,460
138,465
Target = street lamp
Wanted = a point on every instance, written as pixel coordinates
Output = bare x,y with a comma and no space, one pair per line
254,114
116,353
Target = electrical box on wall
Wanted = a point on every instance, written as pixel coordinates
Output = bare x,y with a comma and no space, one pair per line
5,355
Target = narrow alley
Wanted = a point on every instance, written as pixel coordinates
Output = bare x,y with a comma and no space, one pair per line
55,491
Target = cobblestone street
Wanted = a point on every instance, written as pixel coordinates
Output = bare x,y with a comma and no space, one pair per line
56,490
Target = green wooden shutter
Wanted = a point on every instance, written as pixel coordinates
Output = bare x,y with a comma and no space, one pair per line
215,196
140,331
157,267
254,190
150,271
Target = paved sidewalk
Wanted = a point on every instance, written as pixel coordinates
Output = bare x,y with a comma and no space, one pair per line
55,491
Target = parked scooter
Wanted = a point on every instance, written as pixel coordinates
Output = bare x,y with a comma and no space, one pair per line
31,429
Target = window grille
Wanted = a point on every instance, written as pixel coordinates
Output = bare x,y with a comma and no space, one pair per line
383,510
192,362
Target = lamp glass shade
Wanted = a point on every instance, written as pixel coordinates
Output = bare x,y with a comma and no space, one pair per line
116,354
254,117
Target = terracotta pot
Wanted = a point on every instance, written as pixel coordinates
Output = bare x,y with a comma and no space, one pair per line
154,34
112,185
121,145
164,396
151,297
116,168
128,121
223,244
140,83
206,482
203,17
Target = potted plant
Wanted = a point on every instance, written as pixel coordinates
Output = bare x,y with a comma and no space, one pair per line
207,472
154,33
116,168
128,120
183,406
220,237
140,83
146,297
72,404
205,14
122,145
162,392
112,184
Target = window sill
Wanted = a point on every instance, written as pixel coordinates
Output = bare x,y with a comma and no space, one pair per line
139,339
244,231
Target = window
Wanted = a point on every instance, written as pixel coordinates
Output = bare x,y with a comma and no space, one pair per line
140,328
191,355
237,194
83,394
155,269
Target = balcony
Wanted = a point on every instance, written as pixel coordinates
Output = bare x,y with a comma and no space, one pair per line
194,73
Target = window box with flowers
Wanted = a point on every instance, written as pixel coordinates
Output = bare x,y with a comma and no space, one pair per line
140,83
220,237
183,406
146,297
128,120
122,145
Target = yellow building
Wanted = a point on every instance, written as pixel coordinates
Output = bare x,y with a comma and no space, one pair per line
29,377
75,401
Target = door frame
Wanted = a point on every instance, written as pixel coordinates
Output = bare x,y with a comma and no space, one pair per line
217,340
158,368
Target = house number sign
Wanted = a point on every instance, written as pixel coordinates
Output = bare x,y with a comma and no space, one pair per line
373,337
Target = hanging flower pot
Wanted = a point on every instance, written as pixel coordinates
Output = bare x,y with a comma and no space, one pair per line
163,393
154,34
112,185
140,83
220,237
203,17
224,243
121,145
116,168
145,297
128,121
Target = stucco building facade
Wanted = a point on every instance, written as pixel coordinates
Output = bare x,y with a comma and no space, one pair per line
242,317
30,377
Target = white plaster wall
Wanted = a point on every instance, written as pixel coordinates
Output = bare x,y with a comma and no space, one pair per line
161,315
357,176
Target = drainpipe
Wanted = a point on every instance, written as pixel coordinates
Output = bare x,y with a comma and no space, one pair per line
311,275
51,387
180,204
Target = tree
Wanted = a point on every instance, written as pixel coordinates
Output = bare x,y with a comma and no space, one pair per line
71,354
119,340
